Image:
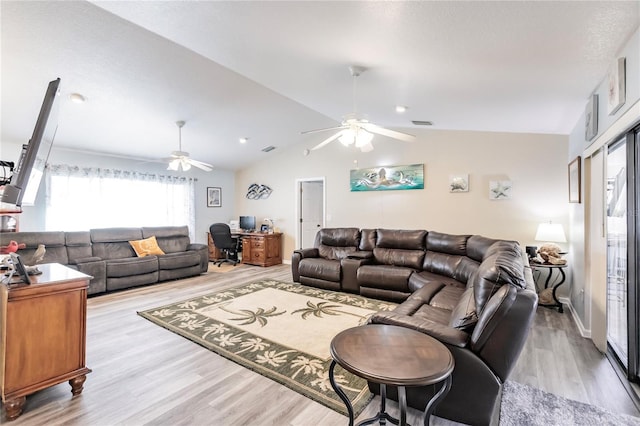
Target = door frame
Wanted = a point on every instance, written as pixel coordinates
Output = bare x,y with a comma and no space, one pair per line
298,204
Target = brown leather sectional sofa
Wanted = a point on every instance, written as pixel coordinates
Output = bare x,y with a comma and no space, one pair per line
474,294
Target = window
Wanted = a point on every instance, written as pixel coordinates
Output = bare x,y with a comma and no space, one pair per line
83,198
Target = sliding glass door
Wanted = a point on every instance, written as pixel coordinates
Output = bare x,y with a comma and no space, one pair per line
616,210
623,222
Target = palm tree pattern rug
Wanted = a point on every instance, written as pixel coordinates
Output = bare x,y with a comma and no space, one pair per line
280,330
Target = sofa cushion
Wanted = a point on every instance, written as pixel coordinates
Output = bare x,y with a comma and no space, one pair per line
55,250
463,315
447,298
78,246
146,247
368,239
441,263
477,245
398,257
181,260
335,253
338,237
418,280
171,239
383,276
132,266
446,243
320,268
400,239
500,268
113,243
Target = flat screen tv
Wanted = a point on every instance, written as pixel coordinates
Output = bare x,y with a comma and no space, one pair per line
248,223
26,178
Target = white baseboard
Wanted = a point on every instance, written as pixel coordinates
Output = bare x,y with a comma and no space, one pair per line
584,332
286,261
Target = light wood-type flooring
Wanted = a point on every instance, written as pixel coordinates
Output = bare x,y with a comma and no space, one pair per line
144,374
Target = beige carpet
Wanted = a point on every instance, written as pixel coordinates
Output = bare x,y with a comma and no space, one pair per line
279,330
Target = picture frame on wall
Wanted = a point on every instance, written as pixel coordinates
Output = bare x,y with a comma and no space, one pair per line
214,196
459,183
574,180
617,85
591,118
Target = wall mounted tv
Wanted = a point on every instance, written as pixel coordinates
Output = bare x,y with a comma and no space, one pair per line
26,178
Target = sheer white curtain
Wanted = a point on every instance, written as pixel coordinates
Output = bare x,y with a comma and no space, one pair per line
84,198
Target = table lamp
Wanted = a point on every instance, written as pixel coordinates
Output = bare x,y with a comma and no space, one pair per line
551,233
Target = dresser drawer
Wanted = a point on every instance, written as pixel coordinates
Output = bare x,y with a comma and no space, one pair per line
257,243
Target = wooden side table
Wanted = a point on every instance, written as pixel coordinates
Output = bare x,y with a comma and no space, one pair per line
395,356
539,267
43,334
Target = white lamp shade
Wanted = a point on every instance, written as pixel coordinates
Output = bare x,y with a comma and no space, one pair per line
551,232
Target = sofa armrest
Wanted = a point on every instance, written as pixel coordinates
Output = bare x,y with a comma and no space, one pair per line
350,267
308,252
361,254
443,333
197,246
84,260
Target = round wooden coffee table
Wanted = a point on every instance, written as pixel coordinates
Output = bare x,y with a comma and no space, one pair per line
395,356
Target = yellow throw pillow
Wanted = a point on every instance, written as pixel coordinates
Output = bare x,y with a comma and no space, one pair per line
146,247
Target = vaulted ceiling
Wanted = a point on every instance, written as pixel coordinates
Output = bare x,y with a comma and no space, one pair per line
269,70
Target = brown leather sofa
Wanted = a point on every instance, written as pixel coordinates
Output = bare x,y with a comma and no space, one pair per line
474,294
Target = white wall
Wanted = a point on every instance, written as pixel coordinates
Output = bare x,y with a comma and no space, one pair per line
610,127
536,164
33,218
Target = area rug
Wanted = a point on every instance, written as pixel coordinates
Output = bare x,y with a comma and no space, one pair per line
526,405
280,330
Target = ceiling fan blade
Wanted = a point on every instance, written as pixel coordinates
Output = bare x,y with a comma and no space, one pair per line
323,130
390,133
199,164
367,148
328,140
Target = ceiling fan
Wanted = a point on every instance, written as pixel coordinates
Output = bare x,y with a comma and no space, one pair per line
180,160
356,129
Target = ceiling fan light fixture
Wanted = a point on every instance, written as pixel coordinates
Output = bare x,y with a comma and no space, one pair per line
363,138
348,137
173,165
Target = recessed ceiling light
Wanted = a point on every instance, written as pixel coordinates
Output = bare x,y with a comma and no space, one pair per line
244,140
77,98
401,108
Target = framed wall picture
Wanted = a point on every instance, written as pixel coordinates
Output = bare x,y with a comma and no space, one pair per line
574,180
459,183
591,118
214,196
500,189
617,85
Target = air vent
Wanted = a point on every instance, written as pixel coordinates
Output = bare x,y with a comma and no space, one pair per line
268,148
422,123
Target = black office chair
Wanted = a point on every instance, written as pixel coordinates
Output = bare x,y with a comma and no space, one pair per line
222,239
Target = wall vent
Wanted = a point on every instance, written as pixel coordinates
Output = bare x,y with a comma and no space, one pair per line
268,148
422,123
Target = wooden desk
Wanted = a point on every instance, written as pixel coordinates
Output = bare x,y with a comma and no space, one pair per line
258,248
43,334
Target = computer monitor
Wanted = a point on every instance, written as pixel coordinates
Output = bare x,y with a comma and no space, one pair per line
248,223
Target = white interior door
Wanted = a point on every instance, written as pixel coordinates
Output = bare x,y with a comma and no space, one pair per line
311,210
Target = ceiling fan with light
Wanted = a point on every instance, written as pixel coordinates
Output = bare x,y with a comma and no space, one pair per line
356,129
180,160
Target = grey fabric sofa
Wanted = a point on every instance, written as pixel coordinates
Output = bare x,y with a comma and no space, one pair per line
107,256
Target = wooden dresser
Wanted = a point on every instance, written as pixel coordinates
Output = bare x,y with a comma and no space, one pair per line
258,248
262,249
43,334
